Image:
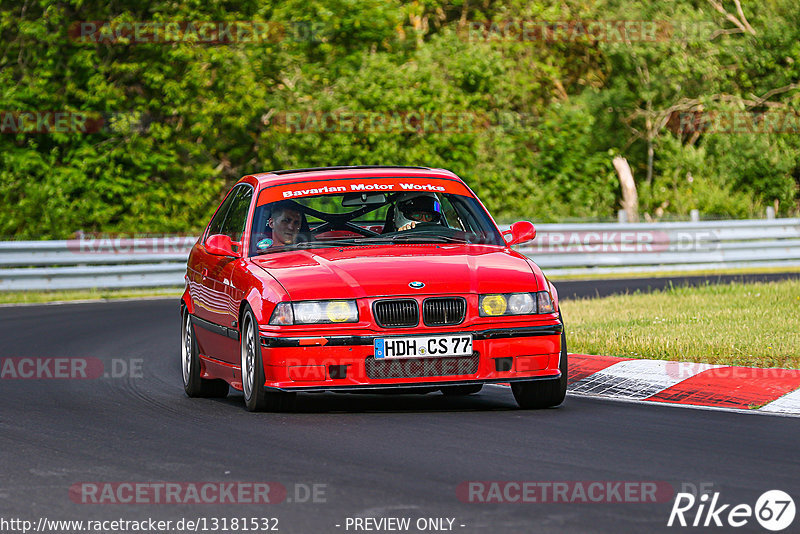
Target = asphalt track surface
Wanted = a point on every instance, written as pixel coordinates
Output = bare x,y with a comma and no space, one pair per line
376,455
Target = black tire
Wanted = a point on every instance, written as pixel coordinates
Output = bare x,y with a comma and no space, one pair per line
256,399
544,393
460,391
193,384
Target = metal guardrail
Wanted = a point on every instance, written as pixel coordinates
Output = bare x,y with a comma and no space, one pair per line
94,262
560,249
612,248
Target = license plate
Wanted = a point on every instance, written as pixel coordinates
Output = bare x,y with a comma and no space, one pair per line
423,347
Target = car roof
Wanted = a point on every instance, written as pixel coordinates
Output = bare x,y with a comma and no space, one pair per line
289,176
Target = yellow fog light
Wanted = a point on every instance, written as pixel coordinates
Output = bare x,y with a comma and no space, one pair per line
339,311
493,305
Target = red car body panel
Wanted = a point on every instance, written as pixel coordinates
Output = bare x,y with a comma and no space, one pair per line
339,356
344,274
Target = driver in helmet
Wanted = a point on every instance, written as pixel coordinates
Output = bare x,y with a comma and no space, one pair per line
413,208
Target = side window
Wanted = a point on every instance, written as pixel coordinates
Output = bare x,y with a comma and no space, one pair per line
475,220
236,218
215,226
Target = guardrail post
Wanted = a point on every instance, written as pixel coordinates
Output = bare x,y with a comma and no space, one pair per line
622,216
770,212
695,215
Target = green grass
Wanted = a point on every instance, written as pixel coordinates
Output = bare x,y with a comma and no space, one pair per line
38,297
732,324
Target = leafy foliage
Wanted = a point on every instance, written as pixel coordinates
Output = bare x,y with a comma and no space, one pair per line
184,120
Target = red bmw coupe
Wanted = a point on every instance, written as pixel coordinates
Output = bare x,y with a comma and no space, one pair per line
366,278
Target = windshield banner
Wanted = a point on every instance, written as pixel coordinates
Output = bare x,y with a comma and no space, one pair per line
359,185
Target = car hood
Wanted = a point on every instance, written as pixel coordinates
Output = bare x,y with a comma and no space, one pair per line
374,271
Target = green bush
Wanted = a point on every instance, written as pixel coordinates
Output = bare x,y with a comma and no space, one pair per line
190,119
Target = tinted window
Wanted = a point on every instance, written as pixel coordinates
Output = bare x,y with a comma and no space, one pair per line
236,217
335,220
215,226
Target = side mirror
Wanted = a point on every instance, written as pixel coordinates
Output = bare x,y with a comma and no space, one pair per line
221,245
520,232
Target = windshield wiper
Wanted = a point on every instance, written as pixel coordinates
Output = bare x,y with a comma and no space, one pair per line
426,238
371,240
306,245
327,243
411,237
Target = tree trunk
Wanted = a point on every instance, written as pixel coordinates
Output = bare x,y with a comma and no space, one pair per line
630,200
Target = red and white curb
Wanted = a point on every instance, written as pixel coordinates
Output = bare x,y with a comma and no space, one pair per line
694,384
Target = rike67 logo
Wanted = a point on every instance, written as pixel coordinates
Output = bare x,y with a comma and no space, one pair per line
774,510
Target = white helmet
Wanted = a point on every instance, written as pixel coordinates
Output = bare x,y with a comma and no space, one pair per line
408,204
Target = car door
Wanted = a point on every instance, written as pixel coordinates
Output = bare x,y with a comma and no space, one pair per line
197,273
218,299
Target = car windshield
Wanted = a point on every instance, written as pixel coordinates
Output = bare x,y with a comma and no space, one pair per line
354,219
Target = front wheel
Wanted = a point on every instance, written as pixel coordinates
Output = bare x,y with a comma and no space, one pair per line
544,393
255,397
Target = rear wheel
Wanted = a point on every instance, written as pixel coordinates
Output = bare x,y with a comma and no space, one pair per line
193,384
544,393
460,391
255,397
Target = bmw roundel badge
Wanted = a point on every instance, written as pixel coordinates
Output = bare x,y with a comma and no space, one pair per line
416,285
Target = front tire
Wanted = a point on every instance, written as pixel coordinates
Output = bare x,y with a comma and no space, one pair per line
193,384
544,393
256,399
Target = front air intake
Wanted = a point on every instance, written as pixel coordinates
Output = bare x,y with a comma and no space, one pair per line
396,313
444,311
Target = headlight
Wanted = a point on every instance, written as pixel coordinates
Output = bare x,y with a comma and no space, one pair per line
315,312
515,304
521,304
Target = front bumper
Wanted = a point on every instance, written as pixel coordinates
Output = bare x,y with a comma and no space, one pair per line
347,363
